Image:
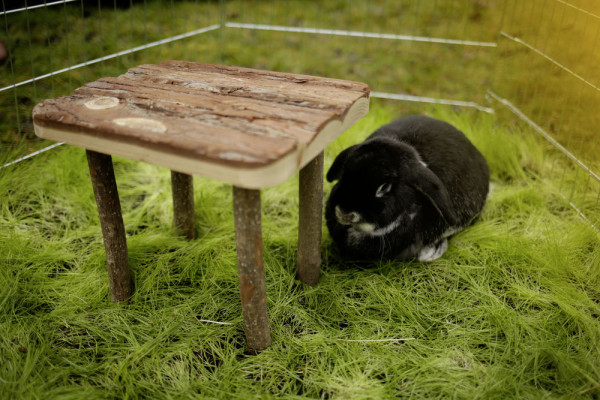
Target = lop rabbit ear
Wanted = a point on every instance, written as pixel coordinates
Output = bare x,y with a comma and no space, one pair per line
335,171
426,182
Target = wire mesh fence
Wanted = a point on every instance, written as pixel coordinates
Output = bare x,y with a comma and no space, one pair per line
548,53
533,62
55,47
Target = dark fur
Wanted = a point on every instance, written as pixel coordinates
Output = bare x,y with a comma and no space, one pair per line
448,193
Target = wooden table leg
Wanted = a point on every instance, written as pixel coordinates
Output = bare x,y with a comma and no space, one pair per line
251,272
309,226
111,221
182,186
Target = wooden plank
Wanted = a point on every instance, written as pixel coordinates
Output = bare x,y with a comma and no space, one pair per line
251,116
194,97
216,121
167,133
256,74
230,80
265,85
246,175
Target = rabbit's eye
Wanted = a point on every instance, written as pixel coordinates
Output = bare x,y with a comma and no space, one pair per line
383,190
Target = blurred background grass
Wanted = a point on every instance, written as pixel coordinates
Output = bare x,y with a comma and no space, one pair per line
561,100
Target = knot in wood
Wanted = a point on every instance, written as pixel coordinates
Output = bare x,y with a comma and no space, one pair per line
102,103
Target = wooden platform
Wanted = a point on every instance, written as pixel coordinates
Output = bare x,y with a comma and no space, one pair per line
248,127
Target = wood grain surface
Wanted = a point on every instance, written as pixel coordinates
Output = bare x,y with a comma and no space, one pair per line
237,118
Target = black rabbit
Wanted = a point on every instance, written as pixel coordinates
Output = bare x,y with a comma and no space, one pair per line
405,190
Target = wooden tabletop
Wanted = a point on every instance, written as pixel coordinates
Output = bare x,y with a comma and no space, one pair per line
248,127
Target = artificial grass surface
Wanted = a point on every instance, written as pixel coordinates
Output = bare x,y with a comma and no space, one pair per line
510,311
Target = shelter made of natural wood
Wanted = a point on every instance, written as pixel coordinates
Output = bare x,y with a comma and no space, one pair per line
251,128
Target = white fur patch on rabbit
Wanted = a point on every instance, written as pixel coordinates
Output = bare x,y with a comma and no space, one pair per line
362,230
433,251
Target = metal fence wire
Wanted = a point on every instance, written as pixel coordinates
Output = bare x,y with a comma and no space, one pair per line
533,61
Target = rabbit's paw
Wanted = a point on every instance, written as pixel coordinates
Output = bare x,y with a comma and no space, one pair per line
433,251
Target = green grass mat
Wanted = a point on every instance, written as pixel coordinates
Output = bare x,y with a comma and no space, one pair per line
511,311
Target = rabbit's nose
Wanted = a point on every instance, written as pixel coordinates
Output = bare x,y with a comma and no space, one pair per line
346,218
